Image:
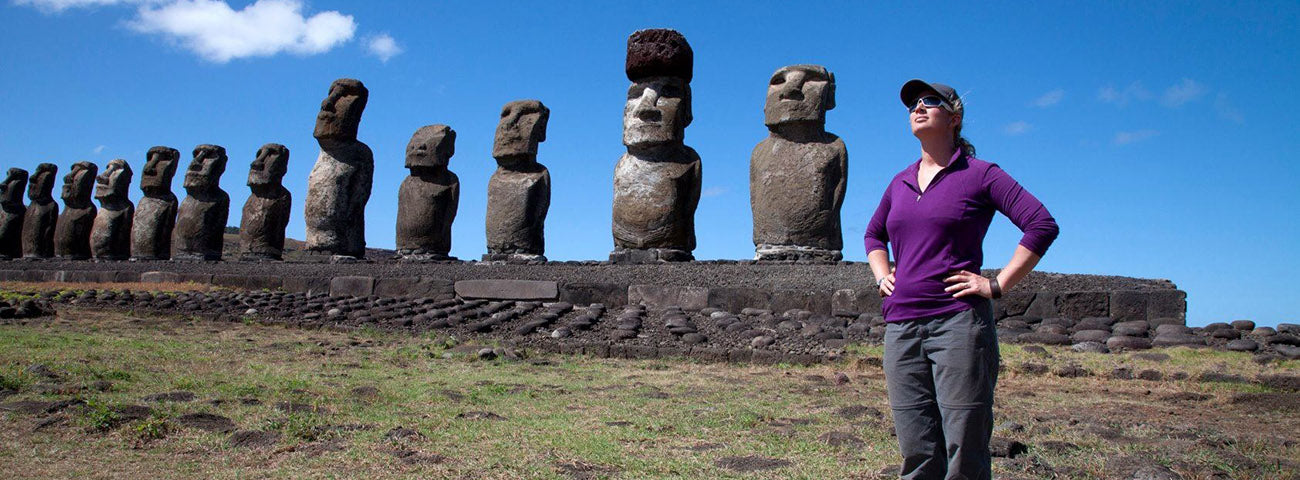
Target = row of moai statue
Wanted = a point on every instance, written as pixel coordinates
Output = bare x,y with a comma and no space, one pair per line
148,230
797,182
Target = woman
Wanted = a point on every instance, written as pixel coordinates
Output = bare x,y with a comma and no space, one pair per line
941,351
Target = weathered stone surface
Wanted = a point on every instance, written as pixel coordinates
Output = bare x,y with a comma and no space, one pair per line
159,277
735,299
797,175
1242,345
155,213
1078,305
266,213
1243,325
1098,336
1168,304
249,282
12,211
426,287
72,232
586,293
860,300
508,289
813,301
657,182
339,184
306,284
110,236
1119,342
1014,303
201,219
428,199
1128,305
1177,339
352,286
661,296
42,215
1043,306
519,192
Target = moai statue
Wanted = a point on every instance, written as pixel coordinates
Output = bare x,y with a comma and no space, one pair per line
657,182
155,213
266,213
201,220
12,211
519,192
110,237
428,198
339,185
72,232
42,215
797,174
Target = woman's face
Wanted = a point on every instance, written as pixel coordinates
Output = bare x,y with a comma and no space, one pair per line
931,121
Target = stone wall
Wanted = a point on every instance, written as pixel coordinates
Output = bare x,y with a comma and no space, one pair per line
840,289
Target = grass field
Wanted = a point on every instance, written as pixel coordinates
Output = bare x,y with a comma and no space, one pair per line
244,400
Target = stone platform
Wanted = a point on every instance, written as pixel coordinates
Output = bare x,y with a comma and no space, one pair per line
844,289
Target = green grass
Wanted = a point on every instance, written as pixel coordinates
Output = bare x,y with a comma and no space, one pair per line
629,419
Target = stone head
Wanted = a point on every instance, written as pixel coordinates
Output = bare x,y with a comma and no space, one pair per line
159,168
340,112
522,127
269,166
431,147
206,168
658,109
42,182
11,191
114,182
78,183
799,93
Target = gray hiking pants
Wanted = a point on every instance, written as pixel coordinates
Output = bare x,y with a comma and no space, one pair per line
941,372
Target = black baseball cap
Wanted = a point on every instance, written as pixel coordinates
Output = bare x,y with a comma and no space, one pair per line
916,87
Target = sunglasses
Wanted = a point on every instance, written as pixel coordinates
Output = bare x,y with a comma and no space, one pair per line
930,101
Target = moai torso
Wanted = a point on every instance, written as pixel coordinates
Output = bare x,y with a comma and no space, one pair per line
155,213
339,185
797,175
657,182
42,215
428,199
201,219
519,192
72,232
654,201
110,236
266,213
12,212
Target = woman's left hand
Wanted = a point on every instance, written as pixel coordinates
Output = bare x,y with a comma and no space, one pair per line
968,283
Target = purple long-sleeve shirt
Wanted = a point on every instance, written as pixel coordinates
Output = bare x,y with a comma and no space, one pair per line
942,230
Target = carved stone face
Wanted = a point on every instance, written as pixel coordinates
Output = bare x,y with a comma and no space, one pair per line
522,127
42,182
159,168
431,146
658,110
77,184
206,168
269,167
115,180
340,113
799,93
11,191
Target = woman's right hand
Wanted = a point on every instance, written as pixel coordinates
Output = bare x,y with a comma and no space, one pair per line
887,285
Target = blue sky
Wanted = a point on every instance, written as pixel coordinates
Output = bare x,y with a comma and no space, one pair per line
1161,135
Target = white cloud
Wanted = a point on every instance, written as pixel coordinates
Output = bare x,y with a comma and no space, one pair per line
218,33
1133,92
713,191
1050,98
56,6
1016,128
100,149
1186,91
383,46
1125,138
1227,110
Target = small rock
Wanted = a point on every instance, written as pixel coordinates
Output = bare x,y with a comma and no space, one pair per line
1242,345
1090,347
1006,448
41,370
1263,331
486,354
841,378
1243,325
561,332
762,341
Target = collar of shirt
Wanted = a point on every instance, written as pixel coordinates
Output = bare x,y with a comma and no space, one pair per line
909,175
